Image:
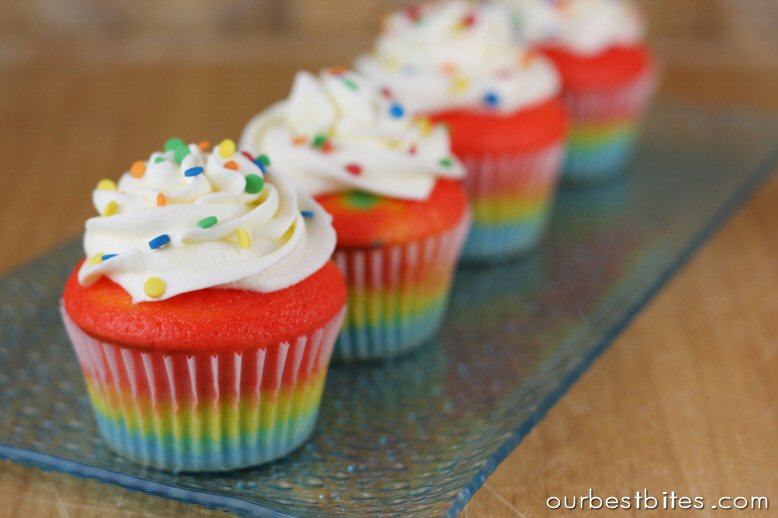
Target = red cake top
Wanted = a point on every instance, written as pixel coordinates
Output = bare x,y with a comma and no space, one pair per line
364,220
483,133
610,69
209,320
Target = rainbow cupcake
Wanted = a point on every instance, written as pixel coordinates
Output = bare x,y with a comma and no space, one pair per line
206,312
394,191
609,76
458,63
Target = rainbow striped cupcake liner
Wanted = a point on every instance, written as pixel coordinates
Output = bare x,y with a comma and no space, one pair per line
512,197
605,125
206,412
397,294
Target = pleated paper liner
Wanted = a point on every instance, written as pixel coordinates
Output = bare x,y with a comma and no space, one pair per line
206,412
397,294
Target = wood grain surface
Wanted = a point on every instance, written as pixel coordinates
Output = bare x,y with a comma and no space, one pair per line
686,400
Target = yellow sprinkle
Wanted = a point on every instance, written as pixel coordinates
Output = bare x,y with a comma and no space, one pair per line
106,185
425,125
111,209
244,238
227,148
96,259
460,84
154,287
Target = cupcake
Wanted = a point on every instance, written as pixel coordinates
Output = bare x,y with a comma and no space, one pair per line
457,62
206,310
394,191
608,72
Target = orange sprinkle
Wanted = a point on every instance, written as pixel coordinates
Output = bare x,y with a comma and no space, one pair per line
528,58
299,141
204,145
450,68
338,71
328,147
138,169
161,200
232,164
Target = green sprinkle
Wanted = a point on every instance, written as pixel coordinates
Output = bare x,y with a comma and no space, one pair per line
174,143
181,152
159,159
254,183
207,222
446,162
361,200
264,159
320,140
351,83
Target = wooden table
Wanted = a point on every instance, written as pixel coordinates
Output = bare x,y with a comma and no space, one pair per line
685,400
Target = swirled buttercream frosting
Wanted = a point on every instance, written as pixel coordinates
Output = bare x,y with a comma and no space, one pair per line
188,219
339,132
586,27
457,54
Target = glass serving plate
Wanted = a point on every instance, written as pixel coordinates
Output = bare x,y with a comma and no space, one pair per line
418,436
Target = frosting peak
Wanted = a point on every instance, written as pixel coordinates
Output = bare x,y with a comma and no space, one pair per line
584,26
338,132
457,54
187,219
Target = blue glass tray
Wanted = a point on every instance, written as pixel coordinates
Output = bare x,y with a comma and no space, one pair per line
420,435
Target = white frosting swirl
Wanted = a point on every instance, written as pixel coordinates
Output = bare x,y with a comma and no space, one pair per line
457,54
586,27
338,132
262,241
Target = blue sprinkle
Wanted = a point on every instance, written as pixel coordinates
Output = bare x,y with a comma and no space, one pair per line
307,213
492,99
159,241
108,256
194,171
397,111
261,165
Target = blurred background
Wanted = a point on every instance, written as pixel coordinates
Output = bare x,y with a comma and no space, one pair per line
88,87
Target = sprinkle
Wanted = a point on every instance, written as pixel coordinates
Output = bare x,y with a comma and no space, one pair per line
299,140
232,165
425,125
492,99
161,200
204,145
138,169
413,12
154,287
387,93
159,241
261,165
244,238
450,68
106,185
413,150
95,259
264,159
207,222
227,148
351,83
354,169
159,159
181,152
469,20
194,171
460,84
337,71
306,213
254,184
111,209
320,140
397,111
108,256
174,143
446,162
248,155
528,58
328,147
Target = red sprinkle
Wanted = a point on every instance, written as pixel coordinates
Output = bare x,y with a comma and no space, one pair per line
412,150
386,93
354,169
413,12
469,20
247,155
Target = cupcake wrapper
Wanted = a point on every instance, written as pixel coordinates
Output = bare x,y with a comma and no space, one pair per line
206,412
605,126
397,294
512,198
